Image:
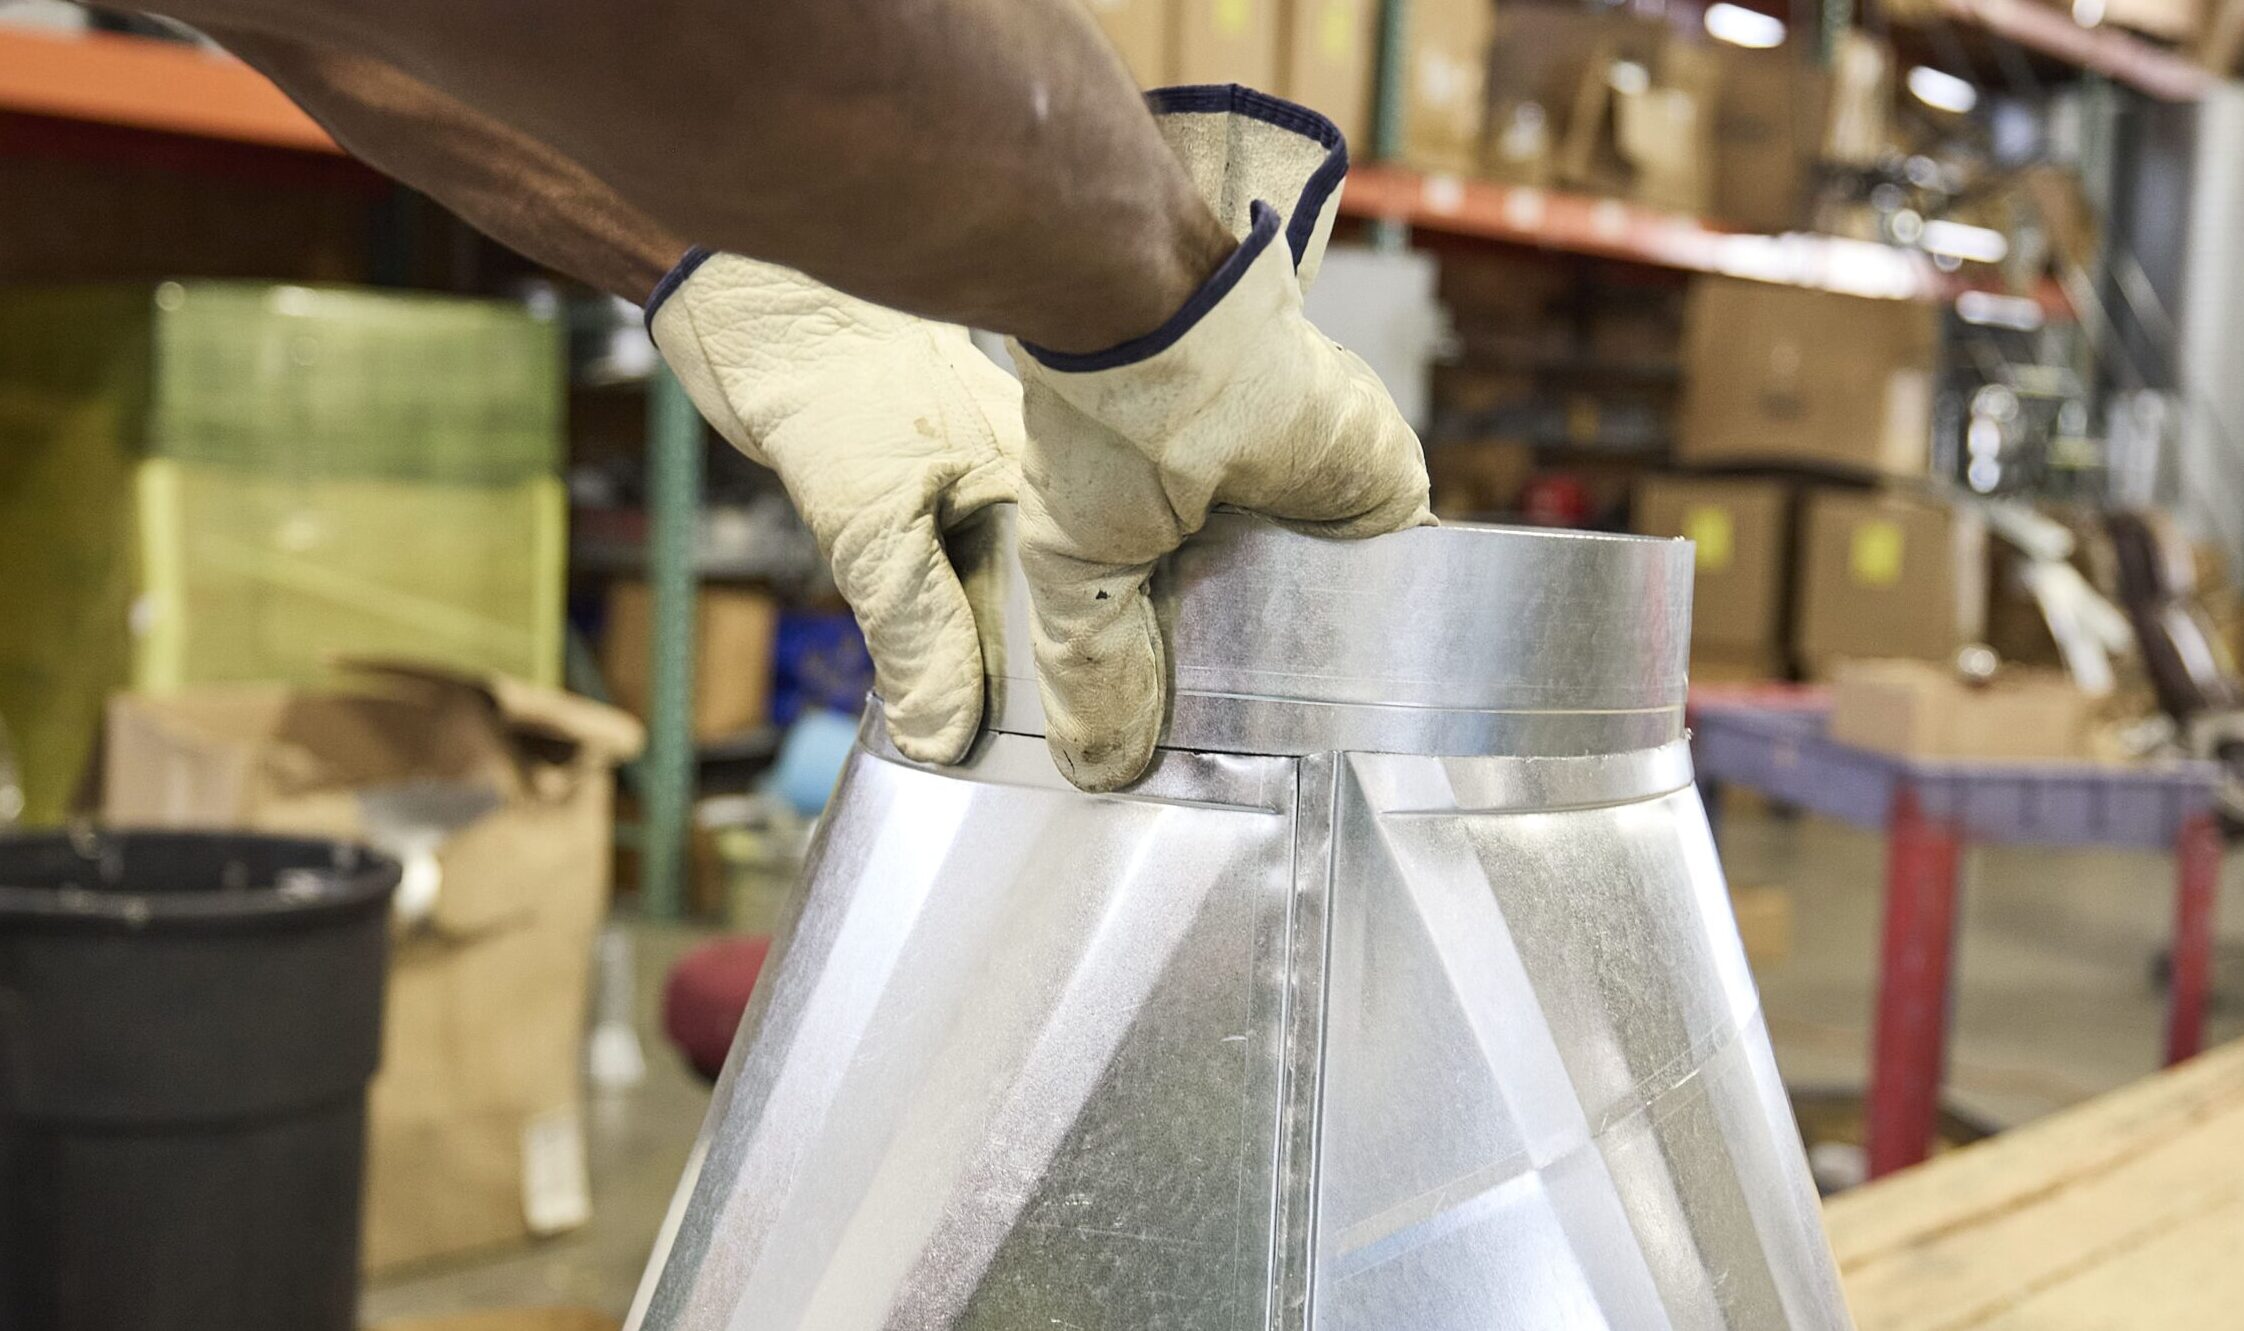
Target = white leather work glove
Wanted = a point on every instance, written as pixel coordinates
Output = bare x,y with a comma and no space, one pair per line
887,431
1236,400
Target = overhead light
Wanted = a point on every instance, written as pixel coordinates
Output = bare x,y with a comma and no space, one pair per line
1628,78
1740,26
1958,240
1942,92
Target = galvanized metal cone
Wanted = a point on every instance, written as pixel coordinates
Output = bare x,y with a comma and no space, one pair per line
1402,993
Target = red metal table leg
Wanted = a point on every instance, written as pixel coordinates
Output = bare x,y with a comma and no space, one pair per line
1909,1043
2197,884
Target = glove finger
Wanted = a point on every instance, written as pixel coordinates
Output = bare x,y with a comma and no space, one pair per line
1099,666
995,480
919,628
1355,467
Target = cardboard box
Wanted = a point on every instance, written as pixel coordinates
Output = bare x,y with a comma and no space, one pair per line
206,481
1776,374
1224,41
734,628
1770,115
1328,61
1641,122
1444,69
1886,575
1741,533
1921,710
497,796
1479,478
1535,69
1140,31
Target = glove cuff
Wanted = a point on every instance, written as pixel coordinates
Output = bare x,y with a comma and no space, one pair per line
1196,307
671,281
1242,147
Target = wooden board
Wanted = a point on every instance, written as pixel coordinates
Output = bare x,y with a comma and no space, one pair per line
2127,1211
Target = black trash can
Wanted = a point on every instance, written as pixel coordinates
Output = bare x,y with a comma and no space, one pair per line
187,1026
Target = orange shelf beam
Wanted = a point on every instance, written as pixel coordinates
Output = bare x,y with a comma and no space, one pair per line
141,83
1615,229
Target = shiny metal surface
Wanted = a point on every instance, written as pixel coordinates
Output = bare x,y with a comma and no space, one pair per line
1548,1097
1013,1062
1444,640
1342,1040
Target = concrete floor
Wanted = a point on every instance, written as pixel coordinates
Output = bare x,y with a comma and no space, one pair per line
2054,1004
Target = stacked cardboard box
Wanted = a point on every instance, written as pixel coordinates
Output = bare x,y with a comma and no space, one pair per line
1777,375
735,629
1321,53
1741,532
1443,67
1140,31
1328,57
207,481
1884,574
1225,41
1770,111
1611,103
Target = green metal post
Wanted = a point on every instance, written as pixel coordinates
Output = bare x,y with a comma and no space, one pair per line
1394,54
666,786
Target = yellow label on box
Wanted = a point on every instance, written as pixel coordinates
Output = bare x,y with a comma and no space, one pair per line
1335,29
1232,17
1711,530
1875,554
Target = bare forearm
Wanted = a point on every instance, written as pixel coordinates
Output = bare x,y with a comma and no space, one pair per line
986,161
499,180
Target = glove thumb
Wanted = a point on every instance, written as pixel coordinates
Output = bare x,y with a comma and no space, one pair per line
919,629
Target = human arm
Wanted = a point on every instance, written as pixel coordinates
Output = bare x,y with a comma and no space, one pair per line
986,162
498,179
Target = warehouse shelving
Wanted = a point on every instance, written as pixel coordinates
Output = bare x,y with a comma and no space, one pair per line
178,88
1614,229
2048,31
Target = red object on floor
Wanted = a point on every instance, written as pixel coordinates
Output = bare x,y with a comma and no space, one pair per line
706,994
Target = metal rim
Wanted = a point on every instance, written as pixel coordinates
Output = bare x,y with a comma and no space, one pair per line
309,882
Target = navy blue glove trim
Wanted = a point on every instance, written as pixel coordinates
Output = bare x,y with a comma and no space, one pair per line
1230,98
1218,285
672,280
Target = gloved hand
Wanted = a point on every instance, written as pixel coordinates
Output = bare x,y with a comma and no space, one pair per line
887,431
1236,400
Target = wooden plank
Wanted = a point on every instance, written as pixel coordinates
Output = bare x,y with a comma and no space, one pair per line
2110,1192
2187,1276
